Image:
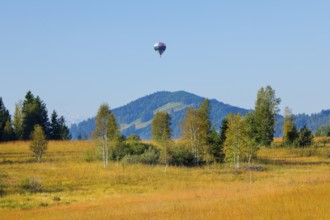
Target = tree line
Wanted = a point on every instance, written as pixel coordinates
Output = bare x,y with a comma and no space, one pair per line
238,139
28,113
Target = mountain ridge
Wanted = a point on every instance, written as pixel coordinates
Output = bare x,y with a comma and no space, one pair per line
135,117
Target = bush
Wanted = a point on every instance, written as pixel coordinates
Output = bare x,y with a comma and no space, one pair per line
313,151
132,148
305,137
91,156
181,156
149,157
2,190
32,184
2,185
56,199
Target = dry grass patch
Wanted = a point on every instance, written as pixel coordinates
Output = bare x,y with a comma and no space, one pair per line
290,187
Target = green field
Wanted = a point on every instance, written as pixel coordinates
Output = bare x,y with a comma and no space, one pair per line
283,184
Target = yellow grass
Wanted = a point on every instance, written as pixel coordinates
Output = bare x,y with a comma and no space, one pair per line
291,187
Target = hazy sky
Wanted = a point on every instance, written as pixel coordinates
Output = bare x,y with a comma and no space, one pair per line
78,54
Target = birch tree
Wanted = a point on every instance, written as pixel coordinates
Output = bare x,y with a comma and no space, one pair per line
106,131
191,127
161,132
39,143
235,143
196,131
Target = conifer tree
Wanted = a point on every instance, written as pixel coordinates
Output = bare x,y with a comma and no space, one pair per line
34,112
305,137
64,130
215,146
4,118
55,130
8,132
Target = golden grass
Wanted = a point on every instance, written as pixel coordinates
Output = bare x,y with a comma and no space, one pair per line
291,187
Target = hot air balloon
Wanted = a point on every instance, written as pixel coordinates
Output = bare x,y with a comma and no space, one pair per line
160,47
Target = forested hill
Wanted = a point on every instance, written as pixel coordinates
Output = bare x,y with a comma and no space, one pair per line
136,117
313,121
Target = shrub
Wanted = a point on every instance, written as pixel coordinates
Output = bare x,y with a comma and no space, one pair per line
181,156
2,185
31,184
305,137
56,199
91,156
2,190
151,156
131,148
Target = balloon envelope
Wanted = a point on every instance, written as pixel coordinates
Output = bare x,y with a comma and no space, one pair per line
160,47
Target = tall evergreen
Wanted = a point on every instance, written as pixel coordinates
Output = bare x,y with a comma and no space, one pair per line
57,129
215,146
34,112
54,129
8,132
224,127
4,118
64,130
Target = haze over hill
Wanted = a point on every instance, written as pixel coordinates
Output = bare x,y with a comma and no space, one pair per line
136,117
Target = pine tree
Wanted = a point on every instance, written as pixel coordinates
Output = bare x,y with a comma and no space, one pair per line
64,130
215,146
8,132
224,127
55,130
4,118
305,137
34,112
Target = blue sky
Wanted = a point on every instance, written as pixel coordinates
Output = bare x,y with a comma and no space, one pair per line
78,54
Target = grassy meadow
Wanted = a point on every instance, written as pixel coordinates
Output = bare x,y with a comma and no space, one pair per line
287,183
